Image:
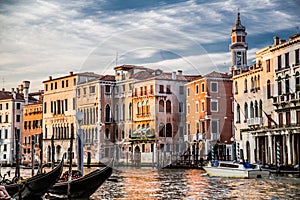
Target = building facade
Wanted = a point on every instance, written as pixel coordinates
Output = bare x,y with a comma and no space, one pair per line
209,117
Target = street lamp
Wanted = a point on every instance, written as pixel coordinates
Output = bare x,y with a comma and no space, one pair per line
79,118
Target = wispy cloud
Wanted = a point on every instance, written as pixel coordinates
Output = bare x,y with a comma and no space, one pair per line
41,38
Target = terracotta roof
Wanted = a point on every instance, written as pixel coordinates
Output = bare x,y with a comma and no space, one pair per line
128,67
8,95
107,78
217,75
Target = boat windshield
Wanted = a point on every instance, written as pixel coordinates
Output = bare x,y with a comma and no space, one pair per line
228,165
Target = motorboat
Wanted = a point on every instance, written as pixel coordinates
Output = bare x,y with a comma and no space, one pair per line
231,169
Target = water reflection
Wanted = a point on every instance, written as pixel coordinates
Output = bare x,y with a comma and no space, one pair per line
149,183
129,183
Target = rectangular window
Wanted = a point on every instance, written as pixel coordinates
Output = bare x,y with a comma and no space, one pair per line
202,87
214,86
6,118
188,92
145,90
197,127
18,106
197,107
143,148
188,109
297,60
298,117
46,87
141,91
151,89
189,129
51,86
92,89
6,134
0,118
279,62
203,126
197,89
45,107
67,83
18,118
6,106
168,89
161,89
214,129
181,89
84,91
287,59
107,89
280,116
74,104
66,104
268,65
202,106
62,84
214,105
288,118
180,109
55,85
5,147
74,81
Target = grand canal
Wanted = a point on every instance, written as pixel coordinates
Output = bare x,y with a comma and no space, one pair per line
148,183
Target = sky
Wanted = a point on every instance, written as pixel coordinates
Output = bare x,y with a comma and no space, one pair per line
40,38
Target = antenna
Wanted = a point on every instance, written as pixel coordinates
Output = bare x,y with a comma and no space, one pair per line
116,59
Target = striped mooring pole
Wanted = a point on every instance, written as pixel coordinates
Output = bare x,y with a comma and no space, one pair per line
212,152
238,152
278,153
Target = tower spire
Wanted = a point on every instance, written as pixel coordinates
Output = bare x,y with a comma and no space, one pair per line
238,20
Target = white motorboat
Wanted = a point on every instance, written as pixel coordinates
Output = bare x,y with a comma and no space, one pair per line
235,170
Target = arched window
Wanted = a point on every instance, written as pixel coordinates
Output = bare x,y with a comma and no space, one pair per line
138,108
255,82
287,84
169,130
236,87
147,107
161,130
107,113
117,113
256,109
123,112
161,106
143,107
251,110
252,83
238,114
168,106
246,111
130,111
107,136
245,86
260,108
279,86
268,89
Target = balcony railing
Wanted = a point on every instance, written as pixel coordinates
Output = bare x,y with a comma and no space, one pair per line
256,121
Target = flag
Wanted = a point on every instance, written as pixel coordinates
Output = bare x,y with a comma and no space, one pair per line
270,118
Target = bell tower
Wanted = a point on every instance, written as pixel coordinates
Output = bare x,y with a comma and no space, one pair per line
238,46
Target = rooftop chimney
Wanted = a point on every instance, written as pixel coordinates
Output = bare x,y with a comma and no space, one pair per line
50,78
276,40
174,75
71,73
282,41
26,90
20,87
179,72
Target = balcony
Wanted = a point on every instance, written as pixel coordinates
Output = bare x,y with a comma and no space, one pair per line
256,121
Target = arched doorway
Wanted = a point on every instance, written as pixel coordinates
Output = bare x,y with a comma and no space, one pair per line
89,158
137,156
58,153
248,151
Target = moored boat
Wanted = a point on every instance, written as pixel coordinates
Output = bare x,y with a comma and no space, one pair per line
36,186
235,170
82,187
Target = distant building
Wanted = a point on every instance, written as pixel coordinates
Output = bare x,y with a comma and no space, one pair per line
32,130
209,116
94,100
149,113
59,115
11,114
265,102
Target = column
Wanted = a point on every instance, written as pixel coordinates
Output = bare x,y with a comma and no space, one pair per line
284,149
258,158
288,142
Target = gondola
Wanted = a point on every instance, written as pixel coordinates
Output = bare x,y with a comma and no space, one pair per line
81,188
36,186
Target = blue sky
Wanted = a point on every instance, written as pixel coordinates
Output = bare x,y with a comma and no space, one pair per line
43,38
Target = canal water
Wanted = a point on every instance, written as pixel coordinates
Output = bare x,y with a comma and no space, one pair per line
148,183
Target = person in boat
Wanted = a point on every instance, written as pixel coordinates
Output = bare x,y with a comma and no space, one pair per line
246,164
216,163
3,193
